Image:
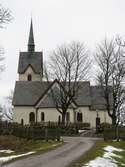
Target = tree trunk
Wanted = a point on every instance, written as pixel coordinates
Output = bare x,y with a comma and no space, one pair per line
63,117
113,120
117,133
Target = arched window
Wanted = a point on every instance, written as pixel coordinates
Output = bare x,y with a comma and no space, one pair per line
32,117
22,122
29,77
42,116
79,117
67,116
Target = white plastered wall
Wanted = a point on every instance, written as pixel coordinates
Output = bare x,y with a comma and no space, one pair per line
23,77
22,113
51,114
90,116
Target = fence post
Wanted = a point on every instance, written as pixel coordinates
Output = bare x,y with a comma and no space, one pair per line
57,134
46,134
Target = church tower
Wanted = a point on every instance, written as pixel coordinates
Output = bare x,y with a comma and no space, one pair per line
30,66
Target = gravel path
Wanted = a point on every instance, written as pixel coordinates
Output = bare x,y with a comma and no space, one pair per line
73,148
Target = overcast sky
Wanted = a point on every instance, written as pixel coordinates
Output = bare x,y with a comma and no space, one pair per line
56,22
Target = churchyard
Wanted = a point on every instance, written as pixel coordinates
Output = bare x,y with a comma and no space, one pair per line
17,141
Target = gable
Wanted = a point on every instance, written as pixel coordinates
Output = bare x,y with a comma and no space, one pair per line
33,59
29,69
49,98
47,101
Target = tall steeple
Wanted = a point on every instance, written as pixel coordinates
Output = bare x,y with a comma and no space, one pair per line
31,45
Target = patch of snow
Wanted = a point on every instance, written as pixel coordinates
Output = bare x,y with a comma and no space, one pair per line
101,162
111,149
109,152
107,159
115,140
8,158
6,151
110,155
81,131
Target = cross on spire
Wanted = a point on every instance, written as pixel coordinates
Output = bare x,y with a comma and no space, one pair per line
31,45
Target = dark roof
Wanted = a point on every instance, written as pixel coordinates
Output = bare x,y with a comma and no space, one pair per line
35,93
83,97
27,93
34,59
97,98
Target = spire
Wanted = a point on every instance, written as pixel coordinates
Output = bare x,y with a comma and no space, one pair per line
31,45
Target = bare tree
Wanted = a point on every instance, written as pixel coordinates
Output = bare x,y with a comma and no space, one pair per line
111,74
8,108
69,64
2,67
1,114
5,17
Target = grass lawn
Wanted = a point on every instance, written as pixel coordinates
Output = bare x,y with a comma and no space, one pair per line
97,151
20,145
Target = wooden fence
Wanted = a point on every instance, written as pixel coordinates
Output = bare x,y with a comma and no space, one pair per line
47,130
37,133
112,133
30,132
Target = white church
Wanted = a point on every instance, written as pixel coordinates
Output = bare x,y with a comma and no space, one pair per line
32,102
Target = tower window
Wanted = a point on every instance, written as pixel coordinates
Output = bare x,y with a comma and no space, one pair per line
29,78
